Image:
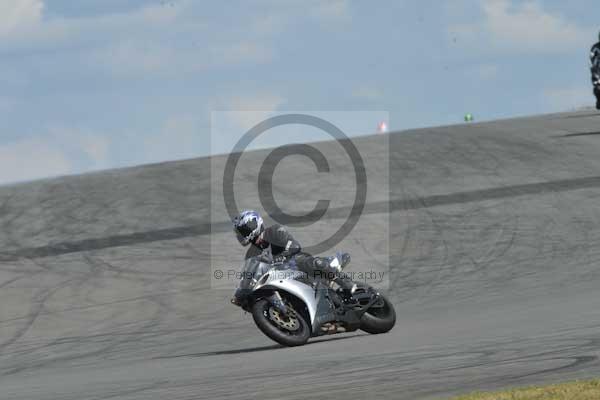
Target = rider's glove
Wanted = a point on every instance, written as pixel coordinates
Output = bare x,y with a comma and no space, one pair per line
266,256
237,298
279,258
236,301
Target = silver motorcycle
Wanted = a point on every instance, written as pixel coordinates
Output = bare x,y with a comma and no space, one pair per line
290,307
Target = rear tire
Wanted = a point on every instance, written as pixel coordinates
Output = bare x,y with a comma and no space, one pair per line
379,320
262,312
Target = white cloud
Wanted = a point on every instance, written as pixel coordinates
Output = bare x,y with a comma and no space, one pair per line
240,52
370,93
34,30
260,101
60,151
30,159
485,72
284,15
245,111
566,99
167,39
130,58
164,13
19,15
270,24
522,26
232,116
6,104
86,150
331,10
96,148
179,138
11,76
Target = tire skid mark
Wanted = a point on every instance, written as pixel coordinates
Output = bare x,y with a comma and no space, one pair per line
103,351
128,392
38,305
371,208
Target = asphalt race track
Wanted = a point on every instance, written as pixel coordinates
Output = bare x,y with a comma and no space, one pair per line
492,232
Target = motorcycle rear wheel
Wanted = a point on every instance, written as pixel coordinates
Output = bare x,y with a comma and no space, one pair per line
379,320
292,330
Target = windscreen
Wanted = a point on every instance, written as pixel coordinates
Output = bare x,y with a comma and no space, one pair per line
252,270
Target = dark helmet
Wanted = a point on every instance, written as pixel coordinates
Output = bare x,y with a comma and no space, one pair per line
247,226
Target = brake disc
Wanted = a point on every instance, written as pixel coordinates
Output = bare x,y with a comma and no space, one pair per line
288,322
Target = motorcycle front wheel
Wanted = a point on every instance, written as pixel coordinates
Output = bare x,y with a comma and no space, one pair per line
289,330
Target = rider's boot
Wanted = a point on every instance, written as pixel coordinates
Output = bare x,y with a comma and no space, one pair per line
347,287
343,295
334,273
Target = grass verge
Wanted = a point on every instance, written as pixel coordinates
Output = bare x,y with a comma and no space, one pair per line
578,390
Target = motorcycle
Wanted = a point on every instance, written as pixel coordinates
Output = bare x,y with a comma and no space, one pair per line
595,70
290,307
596,84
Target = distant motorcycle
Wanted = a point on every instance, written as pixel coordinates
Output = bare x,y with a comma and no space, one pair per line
595,69
290,307
596,83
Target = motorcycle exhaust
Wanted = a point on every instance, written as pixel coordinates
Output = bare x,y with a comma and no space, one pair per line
333,328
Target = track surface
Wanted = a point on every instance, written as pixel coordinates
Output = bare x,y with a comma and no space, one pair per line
494,234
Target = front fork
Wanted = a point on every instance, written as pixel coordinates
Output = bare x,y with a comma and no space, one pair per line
277,301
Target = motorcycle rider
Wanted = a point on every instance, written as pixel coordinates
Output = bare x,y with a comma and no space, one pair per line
250,230
595,70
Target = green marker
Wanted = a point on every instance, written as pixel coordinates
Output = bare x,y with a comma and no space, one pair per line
468,117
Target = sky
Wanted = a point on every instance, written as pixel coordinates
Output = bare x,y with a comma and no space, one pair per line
95,84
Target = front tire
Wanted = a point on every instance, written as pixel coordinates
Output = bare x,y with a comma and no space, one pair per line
380,318
290,330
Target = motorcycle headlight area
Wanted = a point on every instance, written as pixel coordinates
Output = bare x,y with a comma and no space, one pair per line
252,283
263,279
